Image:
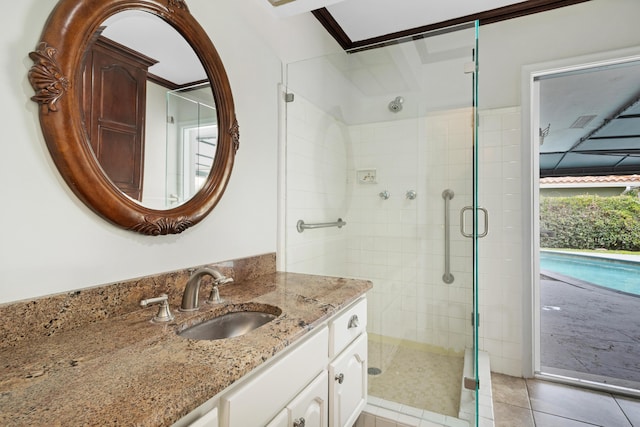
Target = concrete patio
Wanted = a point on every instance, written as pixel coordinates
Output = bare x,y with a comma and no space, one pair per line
589,330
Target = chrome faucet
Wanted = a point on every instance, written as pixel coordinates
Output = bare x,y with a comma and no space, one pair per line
191,290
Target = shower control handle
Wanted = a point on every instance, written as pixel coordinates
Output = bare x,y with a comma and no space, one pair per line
354,322
299,422
339,378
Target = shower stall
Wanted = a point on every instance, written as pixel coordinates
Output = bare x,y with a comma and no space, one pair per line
382,142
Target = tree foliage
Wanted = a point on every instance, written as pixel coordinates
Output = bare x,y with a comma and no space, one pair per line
591,222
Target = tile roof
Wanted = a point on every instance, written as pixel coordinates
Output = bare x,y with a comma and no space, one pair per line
608,179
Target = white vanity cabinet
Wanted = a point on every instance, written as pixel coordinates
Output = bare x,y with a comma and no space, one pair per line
319,382
261,397
348,368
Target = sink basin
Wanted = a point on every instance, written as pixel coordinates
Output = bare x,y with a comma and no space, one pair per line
228,325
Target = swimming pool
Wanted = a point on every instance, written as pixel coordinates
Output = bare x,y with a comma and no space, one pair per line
615,274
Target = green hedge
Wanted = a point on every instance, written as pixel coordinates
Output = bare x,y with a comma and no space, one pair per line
591,222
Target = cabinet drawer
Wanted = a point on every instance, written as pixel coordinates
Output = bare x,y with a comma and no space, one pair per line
347,326
210,419
260,399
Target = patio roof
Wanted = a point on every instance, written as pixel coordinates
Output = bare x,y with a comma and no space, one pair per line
590,122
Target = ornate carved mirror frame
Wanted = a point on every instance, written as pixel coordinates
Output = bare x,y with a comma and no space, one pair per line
55,77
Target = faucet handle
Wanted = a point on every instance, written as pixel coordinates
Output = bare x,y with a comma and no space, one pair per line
214,297
164,313
222,280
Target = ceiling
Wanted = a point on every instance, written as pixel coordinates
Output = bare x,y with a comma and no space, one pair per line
590,121
359,23
177,64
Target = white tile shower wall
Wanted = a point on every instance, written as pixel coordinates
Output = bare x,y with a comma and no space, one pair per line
382,244
500,265
399,243
448,165
317,155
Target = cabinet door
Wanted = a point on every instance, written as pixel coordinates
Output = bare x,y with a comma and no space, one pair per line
280,420
348,384
114,99
309,408
269,391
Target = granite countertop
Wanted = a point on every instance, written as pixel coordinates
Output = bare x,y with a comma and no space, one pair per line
126,370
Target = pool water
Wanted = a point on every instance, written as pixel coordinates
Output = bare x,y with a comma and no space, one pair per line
618,275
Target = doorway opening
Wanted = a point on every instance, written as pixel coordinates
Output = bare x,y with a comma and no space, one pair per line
585,125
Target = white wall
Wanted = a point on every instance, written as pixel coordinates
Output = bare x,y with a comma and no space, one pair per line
500,271
52,243
581,29
155,152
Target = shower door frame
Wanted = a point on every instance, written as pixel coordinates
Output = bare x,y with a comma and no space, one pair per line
285,227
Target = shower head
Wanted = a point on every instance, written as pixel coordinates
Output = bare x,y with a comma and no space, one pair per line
395,106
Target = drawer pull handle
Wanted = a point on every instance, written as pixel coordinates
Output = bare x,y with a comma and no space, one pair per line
339,378
299,422
354,322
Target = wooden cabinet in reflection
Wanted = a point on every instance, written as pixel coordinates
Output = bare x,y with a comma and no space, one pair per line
114,104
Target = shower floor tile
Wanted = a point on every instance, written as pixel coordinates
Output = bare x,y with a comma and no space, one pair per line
414,376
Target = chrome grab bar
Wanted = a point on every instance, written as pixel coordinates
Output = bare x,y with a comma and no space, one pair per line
301,226
447,277
463,223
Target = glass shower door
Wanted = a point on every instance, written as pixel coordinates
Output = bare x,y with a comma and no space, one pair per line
376,137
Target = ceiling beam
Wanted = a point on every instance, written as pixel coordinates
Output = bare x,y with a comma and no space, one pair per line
590,171
488,17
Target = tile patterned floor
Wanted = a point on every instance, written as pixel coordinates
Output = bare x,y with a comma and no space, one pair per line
536,403
405,369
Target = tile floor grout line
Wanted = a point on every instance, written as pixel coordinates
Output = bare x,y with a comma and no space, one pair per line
526,389
622,410
566,418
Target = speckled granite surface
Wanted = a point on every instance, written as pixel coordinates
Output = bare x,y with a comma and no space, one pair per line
118,368
47,316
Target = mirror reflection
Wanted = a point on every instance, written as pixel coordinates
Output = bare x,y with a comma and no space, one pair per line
149,111
191,141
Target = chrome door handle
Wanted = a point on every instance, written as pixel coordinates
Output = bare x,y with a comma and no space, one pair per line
463,222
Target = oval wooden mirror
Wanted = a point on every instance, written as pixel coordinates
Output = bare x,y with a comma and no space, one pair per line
60,79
